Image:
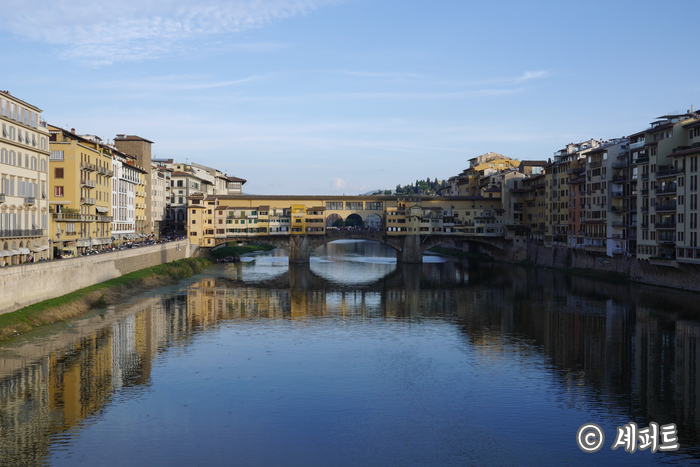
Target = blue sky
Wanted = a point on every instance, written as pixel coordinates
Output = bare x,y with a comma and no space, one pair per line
333,96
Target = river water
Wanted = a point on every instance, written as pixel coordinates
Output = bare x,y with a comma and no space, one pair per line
354,360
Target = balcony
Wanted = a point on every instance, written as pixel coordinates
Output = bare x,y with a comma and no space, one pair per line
88,201
645,225
645,192
620,165
668,173
617,194
619,179
666,207
70,217
638,144
641,160
645,176
101,218
668,189
88,167
595,164
665,225
644,208
21,233
618,225
29,200
87,183
105,171
576,171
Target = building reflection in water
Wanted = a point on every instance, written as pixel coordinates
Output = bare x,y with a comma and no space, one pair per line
627,351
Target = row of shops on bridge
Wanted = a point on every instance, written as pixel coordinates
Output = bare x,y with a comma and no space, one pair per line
213,218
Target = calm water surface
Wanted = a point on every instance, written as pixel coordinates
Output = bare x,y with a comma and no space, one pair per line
354,360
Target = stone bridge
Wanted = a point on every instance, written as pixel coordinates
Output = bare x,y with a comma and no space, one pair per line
409,248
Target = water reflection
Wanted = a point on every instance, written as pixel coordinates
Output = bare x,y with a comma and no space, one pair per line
615,352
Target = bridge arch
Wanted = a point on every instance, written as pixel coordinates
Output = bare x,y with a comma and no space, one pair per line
333,219
354,220
373,221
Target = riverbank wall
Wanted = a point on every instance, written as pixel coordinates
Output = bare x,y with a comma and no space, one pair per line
684,276
30,283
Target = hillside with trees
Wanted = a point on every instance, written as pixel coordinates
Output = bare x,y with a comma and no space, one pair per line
421,187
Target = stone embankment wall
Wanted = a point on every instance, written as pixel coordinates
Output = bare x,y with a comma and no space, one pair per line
34,282
687,277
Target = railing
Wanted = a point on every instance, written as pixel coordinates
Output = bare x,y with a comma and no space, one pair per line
105,171
101,218
645,176
666,207
645,192
596,164
668,172
645,208
645,225
641,160
87,200
617,194
2,198
87,183
671,189
29,200
619,165
638,144
619,178
21,233
88,167
71,217
665,225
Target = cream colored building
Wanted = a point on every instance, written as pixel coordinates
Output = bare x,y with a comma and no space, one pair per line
24,182
667,194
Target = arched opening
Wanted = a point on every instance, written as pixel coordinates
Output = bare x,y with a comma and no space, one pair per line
354,221
334,221
373,222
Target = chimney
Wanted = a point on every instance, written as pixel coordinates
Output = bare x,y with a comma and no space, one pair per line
72,130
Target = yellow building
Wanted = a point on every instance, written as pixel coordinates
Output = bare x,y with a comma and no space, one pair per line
81,191
24,152
469,180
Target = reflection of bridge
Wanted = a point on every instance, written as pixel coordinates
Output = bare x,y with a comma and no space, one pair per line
408,225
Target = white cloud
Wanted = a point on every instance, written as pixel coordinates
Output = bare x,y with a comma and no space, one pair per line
338,184
107,31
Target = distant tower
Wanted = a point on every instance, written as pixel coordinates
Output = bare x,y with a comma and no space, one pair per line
141,148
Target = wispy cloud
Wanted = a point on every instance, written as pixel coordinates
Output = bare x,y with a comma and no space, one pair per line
104,31
175,83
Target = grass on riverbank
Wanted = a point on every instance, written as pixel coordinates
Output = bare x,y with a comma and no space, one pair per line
238,250
96,296
460,253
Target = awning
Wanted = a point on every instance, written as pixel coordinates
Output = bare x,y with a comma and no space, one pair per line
4,253
37,249
101,209
96,242
82,243
24,251
15,252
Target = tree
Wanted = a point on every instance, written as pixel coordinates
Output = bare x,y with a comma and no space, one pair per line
338,223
